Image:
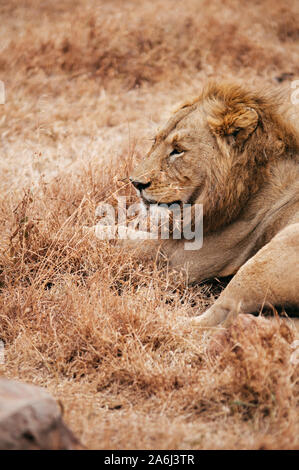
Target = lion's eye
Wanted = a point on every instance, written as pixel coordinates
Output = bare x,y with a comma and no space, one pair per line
176,151
174,154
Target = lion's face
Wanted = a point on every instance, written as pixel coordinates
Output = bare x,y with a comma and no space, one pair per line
175,167
215,151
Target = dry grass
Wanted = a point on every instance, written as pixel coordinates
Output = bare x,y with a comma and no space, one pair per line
107,333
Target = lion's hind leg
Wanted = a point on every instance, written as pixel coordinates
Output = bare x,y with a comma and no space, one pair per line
271,277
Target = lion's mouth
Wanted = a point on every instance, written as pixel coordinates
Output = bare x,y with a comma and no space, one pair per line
149,202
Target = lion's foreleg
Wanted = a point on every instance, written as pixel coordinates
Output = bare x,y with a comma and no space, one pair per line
271,277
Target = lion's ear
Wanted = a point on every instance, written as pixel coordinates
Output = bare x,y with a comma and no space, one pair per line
234,125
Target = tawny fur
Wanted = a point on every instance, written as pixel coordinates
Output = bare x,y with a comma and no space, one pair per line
239,157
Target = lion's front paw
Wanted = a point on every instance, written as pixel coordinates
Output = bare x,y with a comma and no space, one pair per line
221,313
112,232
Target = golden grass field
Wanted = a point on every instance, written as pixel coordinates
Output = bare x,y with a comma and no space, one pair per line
87,83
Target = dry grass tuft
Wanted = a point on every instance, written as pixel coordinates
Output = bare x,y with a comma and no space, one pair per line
106,332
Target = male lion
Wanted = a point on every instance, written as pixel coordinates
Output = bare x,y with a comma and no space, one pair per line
232,151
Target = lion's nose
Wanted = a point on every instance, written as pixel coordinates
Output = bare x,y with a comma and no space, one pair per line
139,185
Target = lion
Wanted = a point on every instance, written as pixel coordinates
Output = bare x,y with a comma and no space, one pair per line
232,150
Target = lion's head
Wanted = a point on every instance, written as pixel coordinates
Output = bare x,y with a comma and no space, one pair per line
216,150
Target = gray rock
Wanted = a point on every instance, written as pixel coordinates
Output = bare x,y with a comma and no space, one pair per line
31,419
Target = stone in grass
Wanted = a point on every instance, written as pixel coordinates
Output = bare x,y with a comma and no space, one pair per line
31,419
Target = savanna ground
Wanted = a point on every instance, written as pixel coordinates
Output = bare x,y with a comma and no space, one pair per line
107,334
